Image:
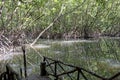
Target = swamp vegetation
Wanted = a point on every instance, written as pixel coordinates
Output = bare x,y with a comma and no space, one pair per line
84,33
69,18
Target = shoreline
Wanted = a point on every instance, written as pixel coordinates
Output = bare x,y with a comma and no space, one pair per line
10,54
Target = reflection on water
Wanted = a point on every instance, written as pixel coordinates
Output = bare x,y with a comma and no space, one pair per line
100,56
111,63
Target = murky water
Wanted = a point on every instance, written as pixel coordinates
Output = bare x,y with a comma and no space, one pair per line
100,56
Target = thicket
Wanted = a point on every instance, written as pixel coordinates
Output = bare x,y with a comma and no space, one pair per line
78,18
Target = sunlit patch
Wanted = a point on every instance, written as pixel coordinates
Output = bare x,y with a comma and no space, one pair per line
40,46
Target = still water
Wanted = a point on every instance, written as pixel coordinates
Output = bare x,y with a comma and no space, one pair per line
101,56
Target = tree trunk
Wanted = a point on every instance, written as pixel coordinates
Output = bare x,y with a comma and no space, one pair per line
86,32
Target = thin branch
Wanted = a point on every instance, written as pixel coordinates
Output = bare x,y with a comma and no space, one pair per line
11,16
74,9
27,15
1,8
51,24
22,25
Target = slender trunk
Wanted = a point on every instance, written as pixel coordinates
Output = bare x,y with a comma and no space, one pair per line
1,8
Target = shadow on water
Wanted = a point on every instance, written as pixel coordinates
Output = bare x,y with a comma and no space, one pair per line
100,56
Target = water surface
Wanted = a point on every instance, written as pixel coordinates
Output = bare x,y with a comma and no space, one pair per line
101,56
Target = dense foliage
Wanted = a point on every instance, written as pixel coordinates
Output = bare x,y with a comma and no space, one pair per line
79,18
